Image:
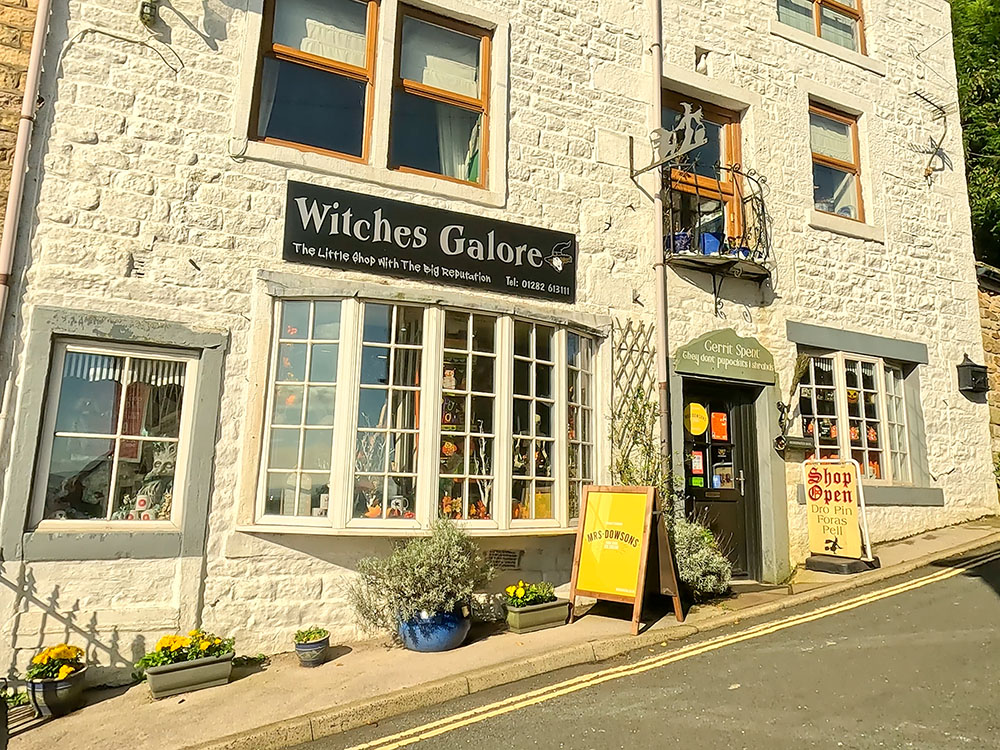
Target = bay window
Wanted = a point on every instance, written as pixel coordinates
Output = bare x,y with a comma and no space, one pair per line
853,407
114,434
391,415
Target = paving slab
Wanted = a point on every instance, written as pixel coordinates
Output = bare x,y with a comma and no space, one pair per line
283,704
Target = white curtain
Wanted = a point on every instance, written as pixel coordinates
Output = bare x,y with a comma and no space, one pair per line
334,29
97,367
831,138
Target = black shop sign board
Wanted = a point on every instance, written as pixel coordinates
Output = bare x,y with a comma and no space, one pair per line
356,232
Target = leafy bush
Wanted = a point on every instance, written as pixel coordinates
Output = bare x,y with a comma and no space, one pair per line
171,649
435,574
701,564
15,698
311,634
527,594
55,663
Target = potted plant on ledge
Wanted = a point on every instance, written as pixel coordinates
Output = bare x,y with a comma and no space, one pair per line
180,664
534,606
311,645
422,591
55,679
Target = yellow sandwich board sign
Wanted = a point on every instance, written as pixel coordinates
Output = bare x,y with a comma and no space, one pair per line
835,509
613,547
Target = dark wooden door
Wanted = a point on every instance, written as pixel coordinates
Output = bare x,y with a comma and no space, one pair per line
720,460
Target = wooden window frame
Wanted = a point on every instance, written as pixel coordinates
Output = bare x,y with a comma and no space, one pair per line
854,167
415,88
724,190
366,75
856,13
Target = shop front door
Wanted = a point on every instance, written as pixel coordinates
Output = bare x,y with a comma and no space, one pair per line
720,467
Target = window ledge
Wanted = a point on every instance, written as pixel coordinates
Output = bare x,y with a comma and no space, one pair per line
792,34
405,181
388,531
151,541
846,227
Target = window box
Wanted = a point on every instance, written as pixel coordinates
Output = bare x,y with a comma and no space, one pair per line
185,676
538,616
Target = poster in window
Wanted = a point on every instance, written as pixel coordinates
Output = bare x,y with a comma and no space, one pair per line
720,425
722,477
697,481
697,462
695,419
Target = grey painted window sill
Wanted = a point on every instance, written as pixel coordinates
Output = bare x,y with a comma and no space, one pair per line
792,34
389,531
844,226
101,545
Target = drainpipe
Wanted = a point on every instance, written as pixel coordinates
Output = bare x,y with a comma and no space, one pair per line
25,127
663,336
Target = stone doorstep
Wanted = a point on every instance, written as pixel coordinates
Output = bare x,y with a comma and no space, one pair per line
363,712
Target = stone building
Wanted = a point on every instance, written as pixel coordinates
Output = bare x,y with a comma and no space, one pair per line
291,279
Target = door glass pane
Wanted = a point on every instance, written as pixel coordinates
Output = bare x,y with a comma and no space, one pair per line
435,137
301,104
440,57
839,28
334,29
835,191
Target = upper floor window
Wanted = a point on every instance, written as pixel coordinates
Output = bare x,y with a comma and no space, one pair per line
115,430
838,22
316,75
704,197
439,107
853,407
833,138
316,83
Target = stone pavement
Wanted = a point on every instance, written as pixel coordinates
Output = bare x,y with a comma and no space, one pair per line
283,704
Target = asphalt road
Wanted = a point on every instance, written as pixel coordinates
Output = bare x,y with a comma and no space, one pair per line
918,669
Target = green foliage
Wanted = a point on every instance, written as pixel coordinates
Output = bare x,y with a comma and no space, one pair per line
996,468
527,594
171,649
433,574
55,663
311,634
976,28
260,660
701,564
16,698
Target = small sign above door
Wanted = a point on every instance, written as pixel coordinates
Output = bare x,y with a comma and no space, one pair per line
726,354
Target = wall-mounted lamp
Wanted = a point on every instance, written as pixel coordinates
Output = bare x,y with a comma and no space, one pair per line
972,378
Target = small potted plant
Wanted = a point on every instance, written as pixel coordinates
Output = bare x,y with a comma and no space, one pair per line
180,664
421,592
534,606
55,679
311,645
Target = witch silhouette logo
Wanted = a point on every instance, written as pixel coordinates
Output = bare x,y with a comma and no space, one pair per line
832,545
559,258
687,134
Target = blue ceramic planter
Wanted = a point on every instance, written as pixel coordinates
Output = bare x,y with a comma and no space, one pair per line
313,653
439,632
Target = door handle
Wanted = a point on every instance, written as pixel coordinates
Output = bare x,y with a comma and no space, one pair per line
743,482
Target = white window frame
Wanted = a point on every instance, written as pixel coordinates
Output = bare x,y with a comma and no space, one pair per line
843,418
60,348
339,516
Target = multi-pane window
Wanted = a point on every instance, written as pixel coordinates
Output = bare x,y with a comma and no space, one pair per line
703,192
839,22
385,469
468,400
853,406
580,399
316,75
384,414
439,107
299,449
833,138
534,403
113,435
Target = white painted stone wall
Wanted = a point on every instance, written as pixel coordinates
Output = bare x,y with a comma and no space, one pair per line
131,162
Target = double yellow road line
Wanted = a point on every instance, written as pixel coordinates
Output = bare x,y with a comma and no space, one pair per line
541,695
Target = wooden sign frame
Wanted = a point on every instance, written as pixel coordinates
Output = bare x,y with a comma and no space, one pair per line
663,547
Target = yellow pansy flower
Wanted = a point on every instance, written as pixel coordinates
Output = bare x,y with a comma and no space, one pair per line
510,590
193,633
204,645
65,671
520,592
520,584
218,641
